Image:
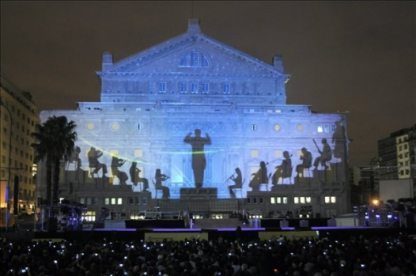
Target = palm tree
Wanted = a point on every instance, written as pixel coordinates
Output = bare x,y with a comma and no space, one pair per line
55,141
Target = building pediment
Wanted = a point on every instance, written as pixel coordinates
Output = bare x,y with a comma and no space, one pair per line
190,53
191,63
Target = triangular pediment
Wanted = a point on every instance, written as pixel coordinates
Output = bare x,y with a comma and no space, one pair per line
193,53
194,64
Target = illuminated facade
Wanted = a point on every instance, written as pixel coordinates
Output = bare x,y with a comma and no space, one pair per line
18,118
153,106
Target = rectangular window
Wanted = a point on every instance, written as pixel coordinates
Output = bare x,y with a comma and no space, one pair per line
89,216
182,87
273,200
204,88
327,199
302,200
333,199
162,87
113,201
194,88
279,200
226,88
119,201
308,199
284,199
296,200
82,200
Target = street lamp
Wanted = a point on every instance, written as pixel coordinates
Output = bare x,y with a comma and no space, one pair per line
9,163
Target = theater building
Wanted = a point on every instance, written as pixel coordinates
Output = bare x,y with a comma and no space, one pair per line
187,113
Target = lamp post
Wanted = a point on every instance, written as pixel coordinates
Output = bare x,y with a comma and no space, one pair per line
9,163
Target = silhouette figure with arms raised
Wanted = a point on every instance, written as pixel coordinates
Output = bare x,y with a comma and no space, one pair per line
94,164
198,155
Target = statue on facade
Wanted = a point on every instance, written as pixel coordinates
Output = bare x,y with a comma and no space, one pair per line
198,155
259,177
238,182
95,165
135,177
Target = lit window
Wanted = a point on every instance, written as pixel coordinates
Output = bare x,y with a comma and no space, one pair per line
115,126
273,200
333,199
278,153
279,200
308,199
320,129
302,200
254,153
138,153
276,127
113,201
327,199
296,200
89,216
284,200
90,126
119,201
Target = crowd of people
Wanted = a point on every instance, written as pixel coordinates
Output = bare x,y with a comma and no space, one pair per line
355,255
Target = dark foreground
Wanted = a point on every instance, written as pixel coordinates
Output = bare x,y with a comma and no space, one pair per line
333,252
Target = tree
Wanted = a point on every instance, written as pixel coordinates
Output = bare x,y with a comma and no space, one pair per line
55,141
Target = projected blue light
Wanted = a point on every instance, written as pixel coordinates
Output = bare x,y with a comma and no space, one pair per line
199,120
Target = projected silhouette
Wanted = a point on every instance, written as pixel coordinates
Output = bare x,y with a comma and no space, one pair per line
259,177
338,139
94,164
198,155
159,177
238,182
74,158
116,163
306,158
135,177
284,170
326,155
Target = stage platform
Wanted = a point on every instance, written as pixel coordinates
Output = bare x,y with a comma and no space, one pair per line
226,233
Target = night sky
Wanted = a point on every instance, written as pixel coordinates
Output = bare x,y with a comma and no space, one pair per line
355,57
